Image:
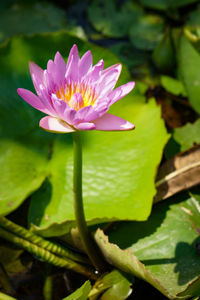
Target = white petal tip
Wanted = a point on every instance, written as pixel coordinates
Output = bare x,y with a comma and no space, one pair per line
127,126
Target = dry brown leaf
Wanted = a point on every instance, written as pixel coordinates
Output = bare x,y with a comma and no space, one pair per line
178,173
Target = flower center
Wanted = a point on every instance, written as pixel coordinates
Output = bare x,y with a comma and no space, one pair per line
77,95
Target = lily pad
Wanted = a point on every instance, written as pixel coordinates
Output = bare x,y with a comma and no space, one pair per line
165,245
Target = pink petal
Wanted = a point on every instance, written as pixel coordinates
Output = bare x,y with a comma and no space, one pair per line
116,67
105,88
32,99
37,75
95,72
64,112
49,81
59,106
59,61
60,68
69,116
50,66
108,80
87,114
50,76
111,73
110,122
45,98
55,125
102,106
85,126
121,91
85,64
72,64
55,71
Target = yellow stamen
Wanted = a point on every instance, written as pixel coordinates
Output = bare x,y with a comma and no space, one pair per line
88,93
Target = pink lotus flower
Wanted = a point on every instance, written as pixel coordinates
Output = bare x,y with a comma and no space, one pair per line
76,95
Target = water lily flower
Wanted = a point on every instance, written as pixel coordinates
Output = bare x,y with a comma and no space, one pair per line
76,96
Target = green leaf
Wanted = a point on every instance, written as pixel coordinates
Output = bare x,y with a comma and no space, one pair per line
112,286
80,294
111,20
189,67
146,31
165,244
30,17
173,85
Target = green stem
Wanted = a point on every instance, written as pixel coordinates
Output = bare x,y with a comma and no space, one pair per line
48,284
39,241
85,235
46,255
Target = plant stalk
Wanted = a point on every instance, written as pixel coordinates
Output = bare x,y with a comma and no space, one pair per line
89,244
41,242
46,255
